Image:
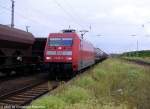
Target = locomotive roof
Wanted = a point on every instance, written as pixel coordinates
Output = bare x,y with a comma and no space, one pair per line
74,33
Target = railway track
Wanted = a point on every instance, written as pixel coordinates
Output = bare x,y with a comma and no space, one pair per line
24,96
13,84
139,62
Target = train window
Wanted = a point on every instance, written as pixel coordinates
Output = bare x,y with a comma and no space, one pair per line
54,41
60,42
67,41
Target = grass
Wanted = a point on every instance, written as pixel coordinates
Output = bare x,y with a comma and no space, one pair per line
113,84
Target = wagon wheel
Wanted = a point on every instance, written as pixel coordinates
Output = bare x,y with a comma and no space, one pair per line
16,57
7,72
17,60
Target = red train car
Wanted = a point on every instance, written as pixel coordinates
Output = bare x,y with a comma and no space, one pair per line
66,51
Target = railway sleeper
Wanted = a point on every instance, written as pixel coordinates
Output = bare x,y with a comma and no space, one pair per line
34,93
38,92
40,88
30,94
18,98
12,102
25,97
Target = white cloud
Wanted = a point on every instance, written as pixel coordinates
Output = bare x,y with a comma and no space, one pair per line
132,14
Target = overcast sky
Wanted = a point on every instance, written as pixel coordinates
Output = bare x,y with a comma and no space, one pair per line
114,20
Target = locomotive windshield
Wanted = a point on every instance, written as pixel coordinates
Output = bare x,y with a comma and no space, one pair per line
60,42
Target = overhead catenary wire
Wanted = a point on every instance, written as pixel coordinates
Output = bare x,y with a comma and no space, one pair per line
73,10
5,8
72,17
77,15
68,13
57,3
22,16
18,14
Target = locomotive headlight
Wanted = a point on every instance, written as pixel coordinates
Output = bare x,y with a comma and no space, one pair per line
59,48
69,58
48,58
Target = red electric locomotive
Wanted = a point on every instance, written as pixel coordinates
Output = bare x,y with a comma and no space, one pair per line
67,53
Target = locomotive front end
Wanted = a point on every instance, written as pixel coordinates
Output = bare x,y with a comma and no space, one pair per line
59,50
59,53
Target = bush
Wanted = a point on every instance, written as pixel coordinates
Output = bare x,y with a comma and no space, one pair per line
75,95
85,82
50,102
